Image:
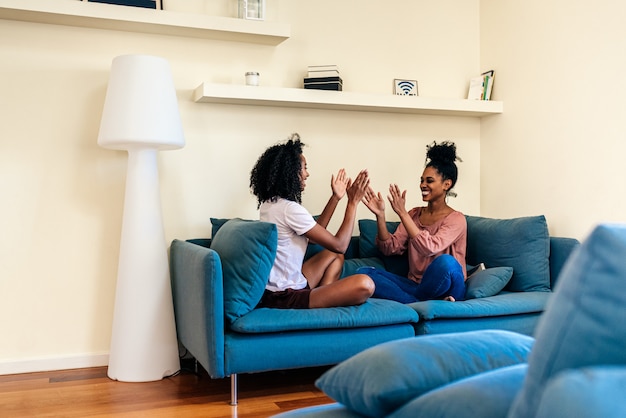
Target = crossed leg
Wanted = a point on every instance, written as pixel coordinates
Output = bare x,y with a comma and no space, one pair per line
322,272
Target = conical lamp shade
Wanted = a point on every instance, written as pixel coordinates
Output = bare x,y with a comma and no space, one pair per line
141,105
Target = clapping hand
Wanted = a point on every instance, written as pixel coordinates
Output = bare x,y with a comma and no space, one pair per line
397,199
359,186
374,202
339,184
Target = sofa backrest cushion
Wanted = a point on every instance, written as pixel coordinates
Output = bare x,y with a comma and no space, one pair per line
368,229
520,243
247,250
582,325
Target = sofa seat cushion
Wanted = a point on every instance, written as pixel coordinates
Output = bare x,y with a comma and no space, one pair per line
506,303
374,312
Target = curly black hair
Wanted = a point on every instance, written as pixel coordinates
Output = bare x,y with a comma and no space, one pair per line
442,158
277,172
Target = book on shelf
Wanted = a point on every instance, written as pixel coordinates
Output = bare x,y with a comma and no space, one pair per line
324,83
324,86
336,79
480,87
322,73
323,68
489,76
315,71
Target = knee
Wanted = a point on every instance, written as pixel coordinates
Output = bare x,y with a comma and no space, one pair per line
445,260
366,285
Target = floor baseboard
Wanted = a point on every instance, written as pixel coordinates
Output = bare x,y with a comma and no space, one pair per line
44,364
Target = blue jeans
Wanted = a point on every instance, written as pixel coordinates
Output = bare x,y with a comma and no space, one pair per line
443,277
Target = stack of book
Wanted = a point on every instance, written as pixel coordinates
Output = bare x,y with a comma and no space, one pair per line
323,77
481,86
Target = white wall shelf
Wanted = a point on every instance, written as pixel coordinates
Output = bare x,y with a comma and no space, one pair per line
137,19
340,100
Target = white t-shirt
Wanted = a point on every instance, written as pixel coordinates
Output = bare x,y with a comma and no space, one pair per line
292,221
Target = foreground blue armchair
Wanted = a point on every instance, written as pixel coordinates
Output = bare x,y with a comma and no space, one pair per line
575,366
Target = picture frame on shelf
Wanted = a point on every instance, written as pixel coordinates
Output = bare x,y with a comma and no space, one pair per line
147,4
402,87
251,9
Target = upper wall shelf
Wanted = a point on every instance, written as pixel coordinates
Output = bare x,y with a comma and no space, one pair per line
137,19
335,100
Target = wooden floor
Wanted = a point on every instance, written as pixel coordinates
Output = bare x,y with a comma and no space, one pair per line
90,393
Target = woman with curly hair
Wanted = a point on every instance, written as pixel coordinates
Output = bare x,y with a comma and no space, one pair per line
278,180
435,236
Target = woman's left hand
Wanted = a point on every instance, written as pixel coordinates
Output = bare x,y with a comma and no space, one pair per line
340,184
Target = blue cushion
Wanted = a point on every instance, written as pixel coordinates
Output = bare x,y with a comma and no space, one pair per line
374,312
486,395
381,379
216,224
351,265
583,324
521,243
507,305
589,392
333,410
247,250
368,229
487,282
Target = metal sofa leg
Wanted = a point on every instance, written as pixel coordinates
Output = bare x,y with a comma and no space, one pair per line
233,389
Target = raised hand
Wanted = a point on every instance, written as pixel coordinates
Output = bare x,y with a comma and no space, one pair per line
359,186
397,199
374,202
339,184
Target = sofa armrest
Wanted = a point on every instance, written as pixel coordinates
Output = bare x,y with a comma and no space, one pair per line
560,250
197,290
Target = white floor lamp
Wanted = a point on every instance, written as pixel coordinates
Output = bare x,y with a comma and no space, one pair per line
141,116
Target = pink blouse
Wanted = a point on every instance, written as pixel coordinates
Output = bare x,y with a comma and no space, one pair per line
447,236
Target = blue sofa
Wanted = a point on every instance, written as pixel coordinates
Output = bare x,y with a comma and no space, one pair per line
574,367
218,282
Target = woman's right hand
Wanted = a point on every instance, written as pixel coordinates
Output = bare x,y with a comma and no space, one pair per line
359,186
397,199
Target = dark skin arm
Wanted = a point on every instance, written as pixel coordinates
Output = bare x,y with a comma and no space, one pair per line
339,242
339,184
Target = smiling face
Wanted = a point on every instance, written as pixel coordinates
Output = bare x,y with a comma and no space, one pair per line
432,185
304,174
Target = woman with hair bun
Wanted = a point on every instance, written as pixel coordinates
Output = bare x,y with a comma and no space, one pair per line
435,235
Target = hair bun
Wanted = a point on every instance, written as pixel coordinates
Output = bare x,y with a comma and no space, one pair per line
444,152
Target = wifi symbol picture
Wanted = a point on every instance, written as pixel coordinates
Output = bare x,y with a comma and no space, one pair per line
406,88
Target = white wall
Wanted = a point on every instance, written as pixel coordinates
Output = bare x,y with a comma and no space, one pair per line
558,149
63,195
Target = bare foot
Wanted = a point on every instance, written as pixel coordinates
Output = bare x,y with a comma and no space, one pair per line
449,299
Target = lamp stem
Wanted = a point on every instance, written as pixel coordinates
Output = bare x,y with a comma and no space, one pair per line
143,339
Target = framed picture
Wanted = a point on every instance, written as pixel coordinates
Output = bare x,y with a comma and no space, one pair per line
148,4
403,87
